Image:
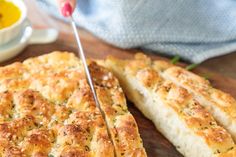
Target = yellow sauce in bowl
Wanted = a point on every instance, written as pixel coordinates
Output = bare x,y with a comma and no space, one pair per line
9,14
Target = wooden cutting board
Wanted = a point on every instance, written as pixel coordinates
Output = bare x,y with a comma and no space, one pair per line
156,145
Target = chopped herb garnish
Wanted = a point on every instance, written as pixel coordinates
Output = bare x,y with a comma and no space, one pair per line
175,59
191,66
50,155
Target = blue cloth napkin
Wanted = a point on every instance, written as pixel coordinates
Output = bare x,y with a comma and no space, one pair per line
194,29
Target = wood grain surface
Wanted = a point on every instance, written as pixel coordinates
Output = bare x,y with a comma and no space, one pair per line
221,70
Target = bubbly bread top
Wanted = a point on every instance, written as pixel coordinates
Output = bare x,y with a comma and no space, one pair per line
47,109
196,117
224,101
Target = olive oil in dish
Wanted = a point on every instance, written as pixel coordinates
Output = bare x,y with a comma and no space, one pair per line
9,14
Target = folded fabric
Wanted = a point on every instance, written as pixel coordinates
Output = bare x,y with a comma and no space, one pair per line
195,30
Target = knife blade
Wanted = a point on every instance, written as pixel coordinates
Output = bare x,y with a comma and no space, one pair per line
88,76
83,59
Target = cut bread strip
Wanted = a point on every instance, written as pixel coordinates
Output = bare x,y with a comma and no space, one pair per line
122,125
220,104
174,111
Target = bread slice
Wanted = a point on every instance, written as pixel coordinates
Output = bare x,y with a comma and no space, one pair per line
122,125
49,111
174,111
220,104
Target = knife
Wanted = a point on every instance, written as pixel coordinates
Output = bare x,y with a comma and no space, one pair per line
88,76
86,69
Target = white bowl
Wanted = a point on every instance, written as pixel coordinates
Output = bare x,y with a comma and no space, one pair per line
27,36
9,33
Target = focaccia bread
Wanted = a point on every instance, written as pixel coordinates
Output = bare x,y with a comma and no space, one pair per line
47,110
220,104
176,113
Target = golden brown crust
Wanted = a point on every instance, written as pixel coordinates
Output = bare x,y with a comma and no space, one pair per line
49,109
12,77
38,142
220,99
5,106
230,153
